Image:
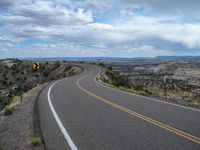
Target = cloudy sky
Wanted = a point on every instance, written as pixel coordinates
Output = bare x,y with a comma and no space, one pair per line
86,28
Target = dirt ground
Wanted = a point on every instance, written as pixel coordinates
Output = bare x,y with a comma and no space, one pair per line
16,130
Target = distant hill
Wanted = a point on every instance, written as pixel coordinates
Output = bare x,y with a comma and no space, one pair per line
117,59
178,58
90,59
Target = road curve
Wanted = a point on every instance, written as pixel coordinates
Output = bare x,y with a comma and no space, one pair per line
80,113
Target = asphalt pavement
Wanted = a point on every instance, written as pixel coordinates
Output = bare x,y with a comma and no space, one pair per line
80,113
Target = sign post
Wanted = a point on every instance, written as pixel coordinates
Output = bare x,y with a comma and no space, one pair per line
36,67
165,78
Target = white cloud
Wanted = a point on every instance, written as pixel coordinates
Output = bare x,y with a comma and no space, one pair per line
100,26
74,28
149,28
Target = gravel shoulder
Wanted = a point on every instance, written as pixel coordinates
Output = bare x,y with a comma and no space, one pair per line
16,130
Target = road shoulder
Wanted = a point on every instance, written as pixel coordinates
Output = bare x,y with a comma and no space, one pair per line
16,130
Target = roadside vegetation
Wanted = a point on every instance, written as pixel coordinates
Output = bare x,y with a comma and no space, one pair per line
121,82
116,79
175,81
17,77
194,103
8,111
1,147
36,140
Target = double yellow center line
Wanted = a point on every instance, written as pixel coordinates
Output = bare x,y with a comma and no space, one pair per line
138,115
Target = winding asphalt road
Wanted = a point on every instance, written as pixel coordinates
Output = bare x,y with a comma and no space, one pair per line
80,113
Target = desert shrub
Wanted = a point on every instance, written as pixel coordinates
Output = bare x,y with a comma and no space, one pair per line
138,88
4,82
16,71
149,92
117,79
36,140
101,64
10,83
110,68
6,67
68,67
144,93
71,73
14,67
105,80
195,103
26,87
42,67
25,78
109,73
1,147
46,73
8,111
4,75
1,105
56,64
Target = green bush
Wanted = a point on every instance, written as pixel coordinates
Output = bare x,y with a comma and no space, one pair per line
109,73
8,111
46,73
195,103
110,68
1,147
105,80
144,93
138,88
25,88
36,140
117,79
101,64
122,81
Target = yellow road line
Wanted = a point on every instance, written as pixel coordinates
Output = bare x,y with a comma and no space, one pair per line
138,115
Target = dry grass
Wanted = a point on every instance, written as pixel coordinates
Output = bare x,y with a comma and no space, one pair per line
8,111
195,103
35,141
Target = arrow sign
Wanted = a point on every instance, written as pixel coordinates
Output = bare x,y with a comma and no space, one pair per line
36,66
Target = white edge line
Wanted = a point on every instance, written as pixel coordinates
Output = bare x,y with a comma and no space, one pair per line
177,105
62,128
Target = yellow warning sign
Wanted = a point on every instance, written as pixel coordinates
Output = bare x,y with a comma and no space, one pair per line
36,66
